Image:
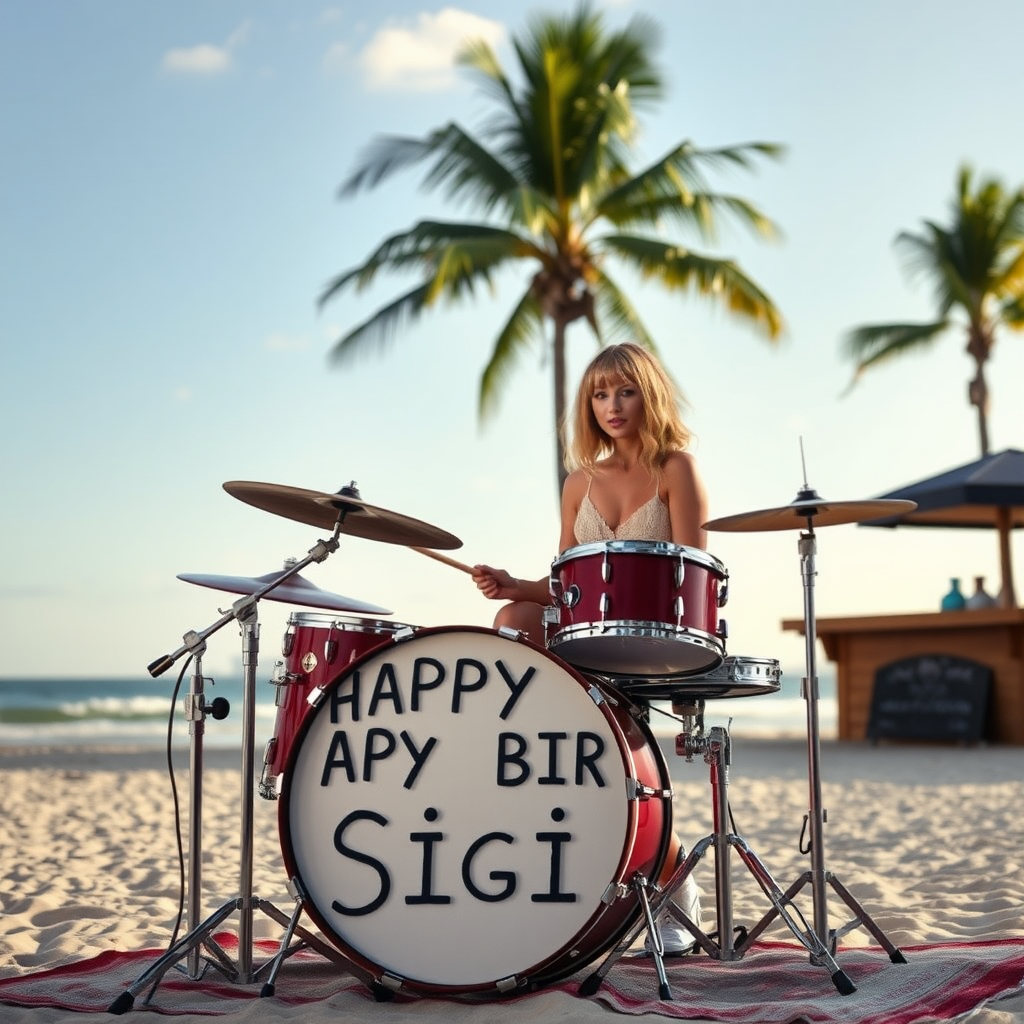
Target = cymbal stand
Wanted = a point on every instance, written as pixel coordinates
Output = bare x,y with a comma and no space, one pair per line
716,749
818,876
244,611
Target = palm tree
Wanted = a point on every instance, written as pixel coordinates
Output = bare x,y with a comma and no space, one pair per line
550,171
977,267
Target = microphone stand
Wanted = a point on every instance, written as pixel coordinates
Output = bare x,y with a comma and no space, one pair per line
244,611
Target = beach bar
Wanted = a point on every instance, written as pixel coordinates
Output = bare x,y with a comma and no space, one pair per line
861,646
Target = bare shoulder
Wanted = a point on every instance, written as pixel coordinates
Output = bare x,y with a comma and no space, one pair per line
575,487
680,469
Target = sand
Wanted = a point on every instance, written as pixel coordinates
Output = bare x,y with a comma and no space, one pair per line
929,838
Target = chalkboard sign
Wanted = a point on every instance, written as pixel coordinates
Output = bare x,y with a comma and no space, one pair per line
930,697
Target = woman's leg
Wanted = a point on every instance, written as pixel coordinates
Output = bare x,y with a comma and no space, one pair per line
524,616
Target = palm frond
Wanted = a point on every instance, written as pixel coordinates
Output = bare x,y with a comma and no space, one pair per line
719,279
380,329
469,171
615,309
1011,314
524,326
674,187
873,344
429,244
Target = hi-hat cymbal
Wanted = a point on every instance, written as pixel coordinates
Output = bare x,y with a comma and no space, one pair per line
323,509
294,590
809,509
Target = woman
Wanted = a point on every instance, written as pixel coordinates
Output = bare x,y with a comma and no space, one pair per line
633,480
632,471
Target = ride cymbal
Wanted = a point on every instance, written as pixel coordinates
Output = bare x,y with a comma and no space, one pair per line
809,509
344,509
294,590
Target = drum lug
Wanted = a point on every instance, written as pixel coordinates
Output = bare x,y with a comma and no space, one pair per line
506,985
615,891
267,781
288,642
315,696
297,890
723,629
606,568
603,605
723,593
598,696
680,609
636,790
680,571
405,633
391,982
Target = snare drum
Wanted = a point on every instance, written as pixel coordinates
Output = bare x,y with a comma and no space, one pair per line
735,677
316,647
463,812
637,608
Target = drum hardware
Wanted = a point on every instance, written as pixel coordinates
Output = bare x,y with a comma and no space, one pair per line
715,747
808,510
637,608
344,510
291,590
736,676
316,647
244,611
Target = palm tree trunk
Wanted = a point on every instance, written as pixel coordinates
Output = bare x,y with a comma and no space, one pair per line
978,347
558,353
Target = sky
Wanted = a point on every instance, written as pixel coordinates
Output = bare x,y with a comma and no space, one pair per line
169,215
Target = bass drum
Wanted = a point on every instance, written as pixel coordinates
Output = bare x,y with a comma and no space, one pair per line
464,813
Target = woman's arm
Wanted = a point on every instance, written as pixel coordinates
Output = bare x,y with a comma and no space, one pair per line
687,500
573,491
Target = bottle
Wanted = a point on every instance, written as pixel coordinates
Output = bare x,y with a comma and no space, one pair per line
980,599
954,601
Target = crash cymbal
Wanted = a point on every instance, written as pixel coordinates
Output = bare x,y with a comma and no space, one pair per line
809,509
295,590
358,519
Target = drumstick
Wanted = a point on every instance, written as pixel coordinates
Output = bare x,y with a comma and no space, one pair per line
444,558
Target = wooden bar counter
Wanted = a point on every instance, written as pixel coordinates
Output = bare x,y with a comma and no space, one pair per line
861,645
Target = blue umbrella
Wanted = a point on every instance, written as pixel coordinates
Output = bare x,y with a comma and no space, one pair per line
985,494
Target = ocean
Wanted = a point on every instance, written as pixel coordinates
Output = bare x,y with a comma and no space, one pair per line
133,713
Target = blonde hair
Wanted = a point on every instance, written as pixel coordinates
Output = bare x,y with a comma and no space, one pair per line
662,430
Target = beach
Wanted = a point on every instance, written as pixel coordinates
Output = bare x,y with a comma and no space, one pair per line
929,840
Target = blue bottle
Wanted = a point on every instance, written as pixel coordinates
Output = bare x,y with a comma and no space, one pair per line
954,601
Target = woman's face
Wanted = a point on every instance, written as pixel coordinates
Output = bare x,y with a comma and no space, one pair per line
618,408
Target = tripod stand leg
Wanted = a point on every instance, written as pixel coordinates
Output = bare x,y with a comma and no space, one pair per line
124,1002
592,983
781,902
863,918
284,951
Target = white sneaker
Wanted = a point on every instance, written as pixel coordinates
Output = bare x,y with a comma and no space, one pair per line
675,938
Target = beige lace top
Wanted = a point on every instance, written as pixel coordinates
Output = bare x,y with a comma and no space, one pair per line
649,522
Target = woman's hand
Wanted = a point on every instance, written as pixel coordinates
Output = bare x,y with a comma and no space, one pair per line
495,584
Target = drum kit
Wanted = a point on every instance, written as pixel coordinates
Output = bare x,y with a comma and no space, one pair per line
468,783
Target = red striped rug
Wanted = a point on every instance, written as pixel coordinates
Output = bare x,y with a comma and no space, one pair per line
774,983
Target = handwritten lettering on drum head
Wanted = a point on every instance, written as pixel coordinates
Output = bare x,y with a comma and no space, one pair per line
451,785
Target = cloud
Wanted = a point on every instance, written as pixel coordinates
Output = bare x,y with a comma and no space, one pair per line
420,53
285,343
206,58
